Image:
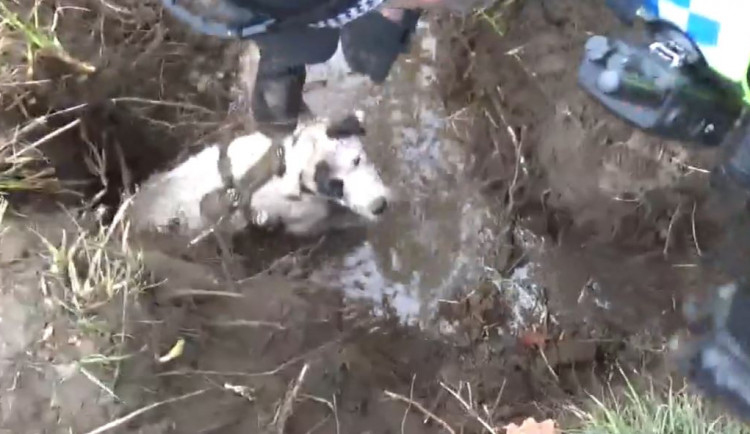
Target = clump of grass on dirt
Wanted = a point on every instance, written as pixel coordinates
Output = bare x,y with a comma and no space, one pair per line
97,272
38,38
96,266
25,171
23,167
497,15
655,411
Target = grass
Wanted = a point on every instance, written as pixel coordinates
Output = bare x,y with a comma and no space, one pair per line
39,38
97,270
497,15
655,411
28,172
96,266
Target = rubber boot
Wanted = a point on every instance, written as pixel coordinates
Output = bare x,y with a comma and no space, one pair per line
277,99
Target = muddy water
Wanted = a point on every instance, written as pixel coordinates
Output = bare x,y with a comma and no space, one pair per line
436,242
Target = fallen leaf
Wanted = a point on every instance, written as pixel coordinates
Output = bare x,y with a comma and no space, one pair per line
175,352
531,426
533,339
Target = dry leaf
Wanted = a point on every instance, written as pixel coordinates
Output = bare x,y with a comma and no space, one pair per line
531,426
174,353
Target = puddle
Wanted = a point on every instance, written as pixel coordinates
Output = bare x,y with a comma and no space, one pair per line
433,244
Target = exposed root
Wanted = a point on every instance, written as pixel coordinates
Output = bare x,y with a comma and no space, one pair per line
469,408
331,405
695,232
190,292
411,399
672,221
288,406
130,416
421,408
247,323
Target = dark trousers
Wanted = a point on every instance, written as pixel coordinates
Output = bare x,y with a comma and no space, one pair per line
371,45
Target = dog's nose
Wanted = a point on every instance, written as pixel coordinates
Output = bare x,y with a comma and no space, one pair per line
378,206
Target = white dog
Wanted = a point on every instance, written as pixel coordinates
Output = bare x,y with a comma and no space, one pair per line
326,182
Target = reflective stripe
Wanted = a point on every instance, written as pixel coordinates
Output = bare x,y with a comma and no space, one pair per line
720,28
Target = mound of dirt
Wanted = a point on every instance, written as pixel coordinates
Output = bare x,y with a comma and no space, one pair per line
625,219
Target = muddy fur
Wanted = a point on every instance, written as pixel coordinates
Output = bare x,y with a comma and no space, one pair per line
327,183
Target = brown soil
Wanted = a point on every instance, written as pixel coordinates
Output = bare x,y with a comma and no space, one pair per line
590,202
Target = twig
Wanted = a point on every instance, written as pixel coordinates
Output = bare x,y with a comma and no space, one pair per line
549,367
291,395
42,120
86,373
419,407
246,323
173,104
189,292
469,409
336,413
46,138
517,147
130,416
274,371
304,252
435,403
675,214
242,391
491,414
319,424
411,399
226,258
695,233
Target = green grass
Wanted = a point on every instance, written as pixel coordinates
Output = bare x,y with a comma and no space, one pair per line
39,37
25,174
653,411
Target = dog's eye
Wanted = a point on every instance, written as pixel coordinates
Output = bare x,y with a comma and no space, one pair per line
357,161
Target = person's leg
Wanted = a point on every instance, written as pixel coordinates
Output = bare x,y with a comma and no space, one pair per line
276,99
372,43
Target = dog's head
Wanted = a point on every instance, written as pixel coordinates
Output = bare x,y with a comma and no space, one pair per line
329,161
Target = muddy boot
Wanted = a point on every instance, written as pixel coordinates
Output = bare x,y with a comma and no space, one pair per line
277,99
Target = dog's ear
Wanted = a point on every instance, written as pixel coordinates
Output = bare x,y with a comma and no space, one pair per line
350,126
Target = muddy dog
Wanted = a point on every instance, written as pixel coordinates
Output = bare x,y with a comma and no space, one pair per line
322,181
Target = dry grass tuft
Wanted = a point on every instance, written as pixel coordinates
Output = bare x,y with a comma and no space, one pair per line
497,15
96,277
27,172
656,411
95,266
39,38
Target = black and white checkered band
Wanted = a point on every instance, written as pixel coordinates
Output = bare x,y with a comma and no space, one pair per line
361,8
262,24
